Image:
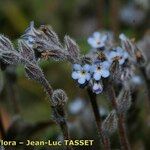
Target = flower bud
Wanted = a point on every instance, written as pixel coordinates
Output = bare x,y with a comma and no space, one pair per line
59,98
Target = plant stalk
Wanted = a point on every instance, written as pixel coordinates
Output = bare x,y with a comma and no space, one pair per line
58,112
105,140
121,119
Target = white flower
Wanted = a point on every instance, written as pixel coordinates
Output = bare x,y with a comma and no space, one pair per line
97,40
81,73
100,69
118,54
97,88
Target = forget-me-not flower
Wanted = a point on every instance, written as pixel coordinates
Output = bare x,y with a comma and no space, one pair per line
97,40
117,54
81,73
100,69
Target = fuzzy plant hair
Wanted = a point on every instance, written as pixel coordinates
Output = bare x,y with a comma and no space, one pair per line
107,68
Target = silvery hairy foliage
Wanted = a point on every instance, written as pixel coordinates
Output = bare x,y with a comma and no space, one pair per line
124,100
109,125
46,44
106,61
131,47
25,55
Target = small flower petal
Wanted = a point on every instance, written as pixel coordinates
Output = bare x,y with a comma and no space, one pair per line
77,67
91,41
97,76
86,67
121,61
88,76
104,38
81,80
75,75
106,64
96,35
105,73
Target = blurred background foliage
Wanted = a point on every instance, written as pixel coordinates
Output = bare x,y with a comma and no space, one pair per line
77,18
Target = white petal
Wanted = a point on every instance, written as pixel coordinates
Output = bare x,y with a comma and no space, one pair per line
121,61
104,38
97,76
86,67
77,67
88,76
126,55
112,54
96,35
91,41
105,73
75,75
106,64
119,50
93,68
81,80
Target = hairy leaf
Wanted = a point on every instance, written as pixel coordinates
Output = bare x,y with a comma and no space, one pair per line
72,48
51,35
34,72
109,125
26,52
124,100
5,44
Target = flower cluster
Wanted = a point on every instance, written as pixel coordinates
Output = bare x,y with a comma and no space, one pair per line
92,74
105,60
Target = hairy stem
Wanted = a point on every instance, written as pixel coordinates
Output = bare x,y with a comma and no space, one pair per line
58,113
105,140
121,119
65,131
